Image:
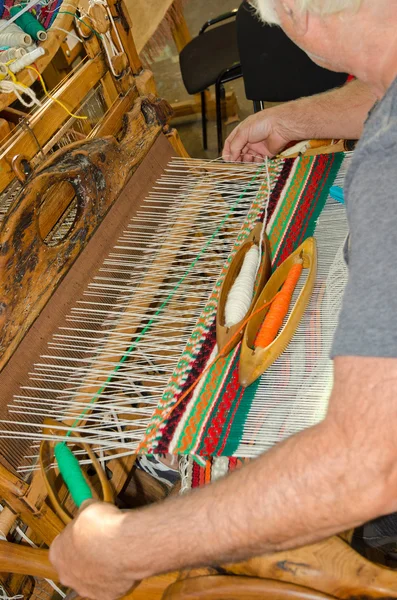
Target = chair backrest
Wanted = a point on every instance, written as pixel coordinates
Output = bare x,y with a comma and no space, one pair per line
274,68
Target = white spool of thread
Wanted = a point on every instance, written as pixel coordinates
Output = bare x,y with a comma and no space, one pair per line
26,60
241,293
11,54
12,35
31,47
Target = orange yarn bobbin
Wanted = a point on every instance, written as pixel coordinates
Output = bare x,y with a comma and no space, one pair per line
279,308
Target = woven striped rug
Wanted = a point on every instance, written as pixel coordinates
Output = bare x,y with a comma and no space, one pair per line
211,421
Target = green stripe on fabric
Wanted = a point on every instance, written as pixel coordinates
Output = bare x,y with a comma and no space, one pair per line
302,172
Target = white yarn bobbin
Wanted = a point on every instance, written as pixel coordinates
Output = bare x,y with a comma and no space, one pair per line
12,35
241,293
26,60
11,54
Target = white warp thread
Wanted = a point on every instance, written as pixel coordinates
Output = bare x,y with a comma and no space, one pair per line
240,296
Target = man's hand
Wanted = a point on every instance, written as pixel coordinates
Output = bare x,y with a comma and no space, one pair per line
263,134
89,554
337,114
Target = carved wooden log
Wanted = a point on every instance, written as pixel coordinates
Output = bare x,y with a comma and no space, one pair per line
30,269
331,567
223,587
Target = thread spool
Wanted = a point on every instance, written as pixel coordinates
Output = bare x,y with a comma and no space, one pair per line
240,296
26,60
13,39
13,28
11,54
29,24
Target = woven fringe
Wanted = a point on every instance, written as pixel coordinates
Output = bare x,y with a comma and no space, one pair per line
163,34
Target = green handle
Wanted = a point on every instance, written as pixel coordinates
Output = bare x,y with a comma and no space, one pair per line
72,474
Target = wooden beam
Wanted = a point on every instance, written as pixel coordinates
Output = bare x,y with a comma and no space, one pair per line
50,45
113,120
50,117
181,34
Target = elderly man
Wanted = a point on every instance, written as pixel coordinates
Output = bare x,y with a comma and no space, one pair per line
342,472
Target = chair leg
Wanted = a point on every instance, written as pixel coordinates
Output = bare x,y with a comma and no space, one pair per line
258,106
204,119
219,92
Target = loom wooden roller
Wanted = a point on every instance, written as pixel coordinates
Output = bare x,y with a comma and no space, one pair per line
225,334
254,360
324,571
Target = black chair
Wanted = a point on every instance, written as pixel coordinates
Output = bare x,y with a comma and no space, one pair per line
212,58
274,68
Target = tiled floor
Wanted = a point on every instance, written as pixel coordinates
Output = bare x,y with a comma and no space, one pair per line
170,85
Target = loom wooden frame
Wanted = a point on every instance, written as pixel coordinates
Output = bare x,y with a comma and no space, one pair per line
119,93
328,569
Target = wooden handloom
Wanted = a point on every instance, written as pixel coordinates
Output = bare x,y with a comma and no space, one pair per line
40,281
104,92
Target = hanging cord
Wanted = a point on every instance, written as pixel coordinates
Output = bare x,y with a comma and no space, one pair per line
107,40
69,33
13,86
20,90
52,97
67,12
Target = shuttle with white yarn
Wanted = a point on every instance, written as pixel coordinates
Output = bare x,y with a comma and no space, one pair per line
241,287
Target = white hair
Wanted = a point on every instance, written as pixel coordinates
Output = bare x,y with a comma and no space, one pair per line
267,11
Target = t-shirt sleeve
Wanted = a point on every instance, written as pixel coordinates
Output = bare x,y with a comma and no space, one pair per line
368,319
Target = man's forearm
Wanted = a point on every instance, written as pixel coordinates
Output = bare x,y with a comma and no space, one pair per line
337,114
340,113
303,490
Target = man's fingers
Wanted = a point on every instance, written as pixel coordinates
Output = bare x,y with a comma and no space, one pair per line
87,503
237,144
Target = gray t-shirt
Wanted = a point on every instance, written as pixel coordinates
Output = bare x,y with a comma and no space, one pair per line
368,320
